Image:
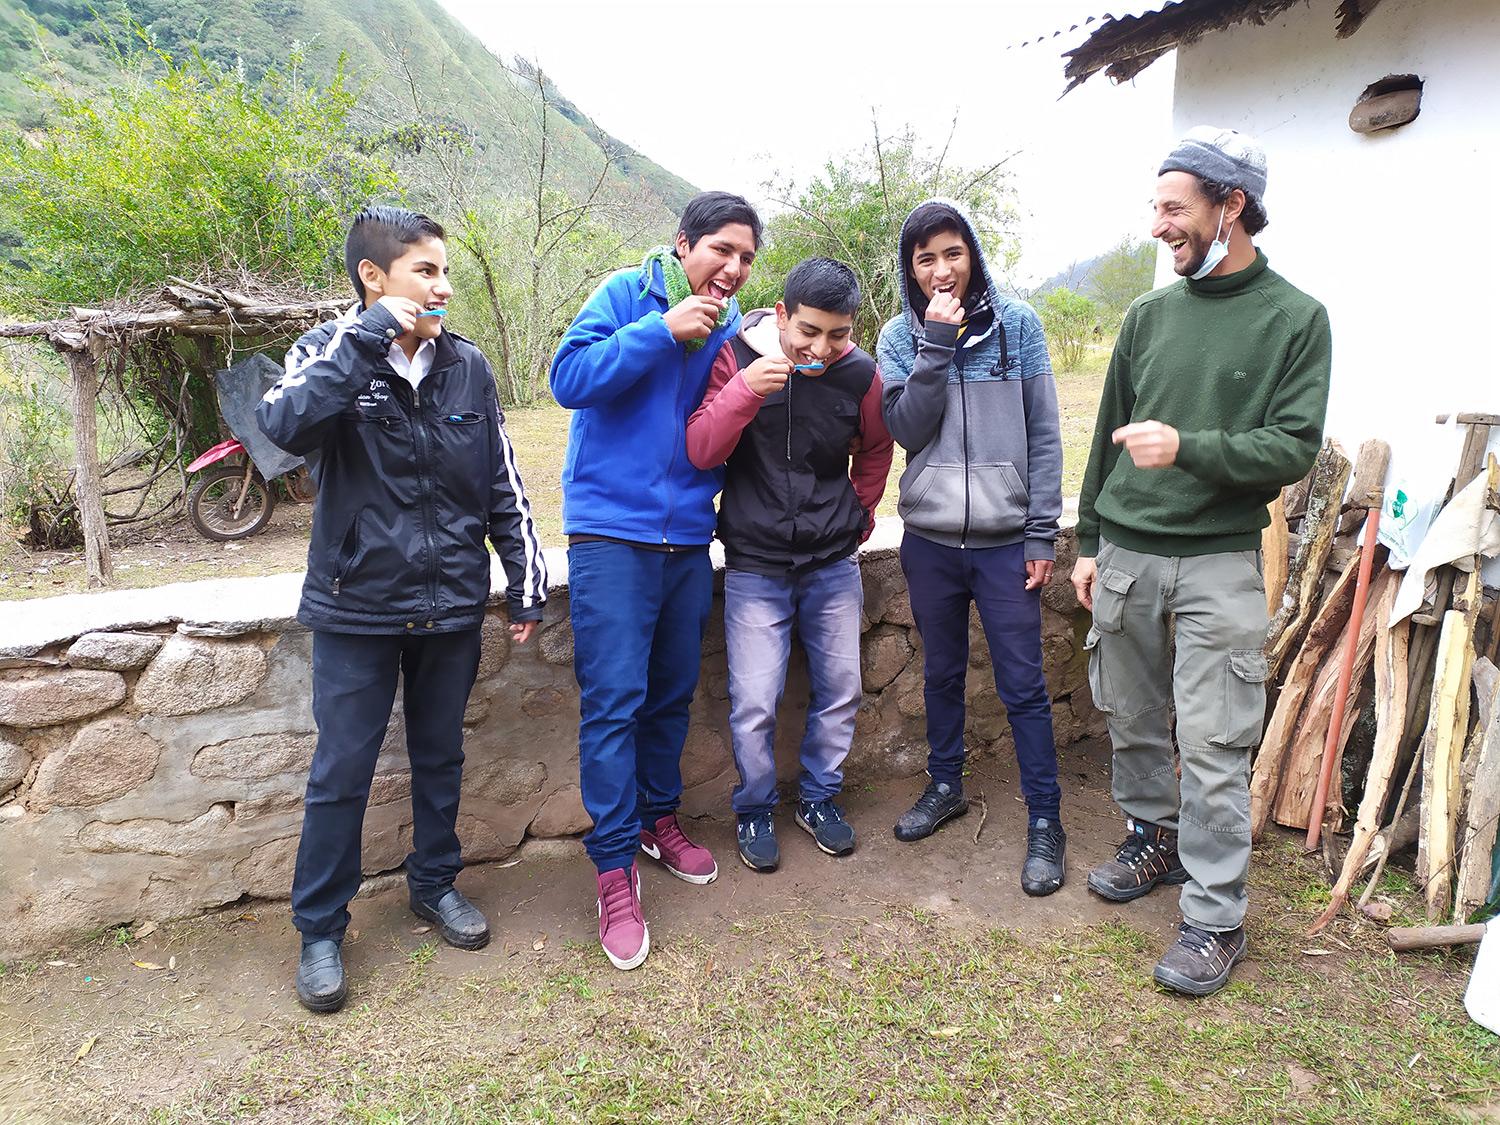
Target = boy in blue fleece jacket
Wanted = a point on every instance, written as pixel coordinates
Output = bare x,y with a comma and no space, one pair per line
639,516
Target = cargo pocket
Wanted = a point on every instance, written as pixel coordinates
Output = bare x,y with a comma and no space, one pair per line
1244,716
1109,600
1098,683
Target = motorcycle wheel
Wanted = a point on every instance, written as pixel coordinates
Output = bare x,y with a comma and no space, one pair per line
212,504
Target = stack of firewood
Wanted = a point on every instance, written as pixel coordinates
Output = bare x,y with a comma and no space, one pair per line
1336,660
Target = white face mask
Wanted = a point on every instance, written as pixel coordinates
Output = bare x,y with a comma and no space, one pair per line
1217,251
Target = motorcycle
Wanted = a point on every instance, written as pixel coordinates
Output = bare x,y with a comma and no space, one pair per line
237,498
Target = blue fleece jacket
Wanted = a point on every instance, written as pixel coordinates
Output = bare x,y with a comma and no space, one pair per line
631,387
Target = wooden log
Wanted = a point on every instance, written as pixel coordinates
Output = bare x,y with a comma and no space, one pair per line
1294,496
84,376
1265,778
1300,775
1305,575
1442,742
1275,553
1367,488
1473,886
1390,722
1404,939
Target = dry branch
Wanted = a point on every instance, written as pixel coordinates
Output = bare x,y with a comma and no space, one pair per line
1265,780
1300,776
1390,722
1305,577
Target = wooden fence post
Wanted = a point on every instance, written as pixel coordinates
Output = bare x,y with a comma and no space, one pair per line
84,370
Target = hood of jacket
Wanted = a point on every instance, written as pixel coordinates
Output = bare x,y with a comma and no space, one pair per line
759,331
981,297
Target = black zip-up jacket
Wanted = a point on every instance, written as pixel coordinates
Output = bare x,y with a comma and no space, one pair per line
410,482
789,505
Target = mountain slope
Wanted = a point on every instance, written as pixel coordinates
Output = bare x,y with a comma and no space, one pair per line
389,46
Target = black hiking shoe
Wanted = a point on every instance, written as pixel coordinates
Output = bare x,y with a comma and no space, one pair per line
756,835
1042,873
1147,857
939,803
825,822
1199,962
320,976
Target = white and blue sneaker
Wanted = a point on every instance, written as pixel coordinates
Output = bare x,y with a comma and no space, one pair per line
825,822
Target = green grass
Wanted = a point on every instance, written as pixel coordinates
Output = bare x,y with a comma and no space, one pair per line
897,1018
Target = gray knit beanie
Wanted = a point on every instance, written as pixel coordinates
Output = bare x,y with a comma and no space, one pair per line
1220,154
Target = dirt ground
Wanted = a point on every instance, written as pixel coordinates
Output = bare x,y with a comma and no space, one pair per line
122,1026
166,552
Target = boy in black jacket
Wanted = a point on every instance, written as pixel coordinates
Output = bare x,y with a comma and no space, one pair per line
786,401
402,431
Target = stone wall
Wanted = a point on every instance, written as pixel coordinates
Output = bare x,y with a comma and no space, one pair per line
154,744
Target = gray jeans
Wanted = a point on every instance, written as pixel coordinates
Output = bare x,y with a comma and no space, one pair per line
1212,610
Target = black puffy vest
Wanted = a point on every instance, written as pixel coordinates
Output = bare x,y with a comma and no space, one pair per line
788,505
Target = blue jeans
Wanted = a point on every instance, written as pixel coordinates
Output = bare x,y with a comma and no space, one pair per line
638,618
759,613
942,581
353,688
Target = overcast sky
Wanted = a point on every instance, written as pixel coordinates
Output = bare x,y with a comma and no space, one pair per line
725,94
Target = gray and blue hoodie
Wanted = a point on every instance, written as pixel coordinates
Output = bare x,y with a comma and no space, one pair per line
975,408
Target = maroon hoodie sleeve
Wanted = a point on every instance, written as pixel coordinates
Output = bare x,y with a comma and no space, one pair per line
872,464
727,408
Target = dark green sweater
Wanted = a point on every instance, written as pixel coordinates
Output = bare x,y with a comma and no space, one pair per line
1238,365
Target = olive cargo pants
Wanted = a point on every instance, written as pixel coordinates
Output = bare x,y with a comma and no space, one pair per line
1210,609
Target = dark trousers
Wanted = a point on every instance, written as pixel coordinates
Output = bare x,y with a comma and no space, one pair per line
638,618
942,581
354,686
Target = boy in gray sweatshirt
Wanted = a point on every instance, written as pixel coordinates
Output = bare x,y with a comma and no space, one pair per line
969,394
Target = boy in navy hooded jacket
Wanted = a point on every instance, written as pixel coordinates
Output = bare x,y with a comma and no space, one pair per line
639,516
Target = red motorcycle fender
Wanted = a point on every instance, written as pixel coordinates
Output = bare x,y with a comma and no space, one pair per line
217,453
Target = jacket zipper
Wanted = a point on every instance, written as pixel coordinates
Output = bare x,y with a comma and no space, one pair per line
428,515
672,465
790,491
963,400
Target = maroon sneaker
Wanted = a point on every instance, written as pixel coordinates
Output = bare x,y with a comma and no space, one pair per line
665,842
622,926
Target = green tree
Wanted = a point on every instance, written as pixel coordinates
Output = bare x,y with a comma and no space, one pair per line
523,264
179,168
1121,276
1070,320
188,170
854,209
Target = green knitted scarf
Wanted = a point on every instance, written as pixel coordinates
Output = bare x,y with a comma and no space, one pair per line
677,286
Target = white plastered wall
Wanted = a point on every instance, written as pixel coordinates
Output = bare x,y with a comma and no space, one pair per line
1397,232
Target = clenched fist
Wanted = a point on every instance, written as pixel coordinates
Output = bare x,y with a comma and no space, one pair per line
767,375
693,318
1151,445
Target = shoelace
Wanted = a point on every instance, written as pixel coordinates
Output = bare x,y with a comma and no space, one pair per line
760,825
673,839
931,800
1199,941
1134,850
820,812
619,898
1042,843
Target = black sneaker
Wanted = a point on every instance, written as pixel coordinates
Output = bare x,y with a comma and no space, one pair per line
939,803
1042,873
826,824
1199,962
1147,857
757,840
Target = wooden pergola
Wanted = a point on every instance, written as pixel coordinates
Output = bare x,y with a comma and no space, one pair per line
183,308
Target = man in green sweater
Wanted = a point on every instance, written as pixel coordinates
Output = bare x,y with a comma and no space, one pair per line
1213,401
